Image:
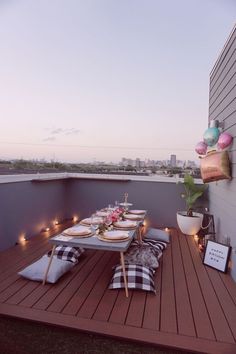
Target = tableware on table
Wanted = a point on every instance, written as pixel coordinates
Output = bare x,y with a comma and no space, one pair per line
137,211
87,221
125,225
116,203
105,239
133,217
102,213
95,221
115,235
79,230
125,204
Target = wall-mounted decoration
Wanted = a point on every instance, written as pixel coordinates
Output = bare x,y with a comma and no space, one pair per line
215,166
217,256
215,163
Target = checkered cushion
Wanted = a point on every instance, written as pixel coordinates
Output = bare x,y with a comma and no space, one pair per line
67,253
138,277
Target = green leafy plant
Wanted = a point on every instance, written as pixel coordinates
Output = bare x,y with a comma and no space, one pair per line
192,193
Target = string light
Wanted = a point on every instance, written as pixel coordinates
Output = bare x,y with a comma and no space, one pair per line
22,239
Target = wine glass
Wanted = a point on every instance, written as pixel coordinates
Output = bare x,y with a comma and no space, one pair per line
94,223
110,207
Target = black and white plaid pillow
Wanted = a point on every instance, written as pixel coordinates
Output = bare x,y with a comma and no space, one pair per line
138,277
67,253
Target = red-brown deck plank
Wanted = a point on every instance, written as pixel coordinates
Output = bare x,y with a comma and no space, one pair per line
199,301
225,302
61,301
121,307
91,303
168,308
168,340
230,285
183,305
151,317
218,320
136,309
105,306
200,313
86,287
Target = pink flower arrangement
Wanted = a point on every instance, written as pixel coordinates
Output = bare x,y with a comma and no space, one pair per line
114,216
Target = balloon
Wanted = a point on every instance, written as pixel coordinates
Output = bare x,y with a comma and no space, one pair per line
225,140
201,148
211,136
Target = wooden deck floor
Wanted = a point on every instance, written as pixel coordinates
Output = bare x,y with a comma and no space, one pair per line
194,308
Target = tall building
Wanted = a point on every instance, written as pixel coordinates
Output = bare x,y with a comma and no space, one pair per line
173,160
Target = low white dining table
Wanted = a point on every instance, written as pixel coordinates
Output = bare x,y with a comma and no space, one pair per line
93,242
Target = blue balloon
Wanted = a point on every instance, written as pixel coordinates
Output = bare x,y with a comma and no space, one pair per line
211,136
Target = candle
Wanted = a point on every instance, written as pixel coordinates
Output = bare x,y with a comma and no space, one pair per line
196,238
167,229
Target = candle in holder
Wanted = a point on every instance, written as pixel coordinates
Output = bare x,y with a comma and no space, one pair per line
196,238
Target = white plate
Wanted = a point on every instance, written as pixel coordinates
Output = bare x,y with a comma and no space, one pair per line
125,223
133,217
137,211
87,221
125,204
116,235
77,231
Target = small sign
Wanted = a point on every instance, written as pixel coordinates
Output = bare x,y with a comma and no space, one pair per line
217,255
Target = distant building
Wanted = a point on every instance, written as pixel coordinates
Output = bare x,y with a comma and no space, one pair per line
173,160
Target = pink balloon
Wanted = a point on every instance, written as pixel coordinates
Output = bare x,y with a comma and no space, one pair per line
225,140
201,148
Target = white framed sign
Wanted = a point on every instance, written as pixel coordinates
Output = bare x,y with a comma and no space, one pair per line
217,255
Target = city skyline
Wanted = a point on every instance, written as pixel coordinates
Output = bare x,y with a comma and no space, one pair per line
84,80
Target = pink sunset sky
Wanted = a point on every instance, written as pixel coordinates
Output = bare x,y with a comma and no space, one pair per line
106,79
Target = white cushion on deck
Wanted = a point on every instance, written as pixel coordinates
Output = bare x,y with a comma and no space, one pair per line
158,234
36,270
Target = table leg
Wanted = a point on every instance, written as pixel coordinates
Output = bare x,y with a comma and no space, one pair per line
49,264
140,234
122,261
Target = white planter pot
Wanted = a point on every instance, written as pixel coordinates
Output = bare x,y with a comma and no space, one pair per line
189,225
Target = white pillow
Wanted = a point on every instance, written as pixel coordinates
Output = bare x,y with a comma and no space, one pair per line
36,271
158,234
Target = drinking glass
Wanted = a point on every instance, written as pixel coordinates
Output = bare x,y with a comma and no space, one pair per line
94,223
110,206
116,203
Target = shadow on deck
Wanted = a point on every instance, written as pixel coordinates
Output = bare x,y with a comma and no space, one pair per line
194,308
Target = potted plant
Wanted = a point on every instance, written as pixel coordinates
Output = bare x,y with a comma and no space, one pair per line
189,221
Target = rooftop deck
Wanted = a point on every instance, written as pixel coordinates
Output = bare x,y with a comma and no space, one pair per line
194,308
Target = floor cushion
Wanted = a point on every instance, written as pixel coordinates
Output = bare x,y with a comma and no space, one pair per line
158,234
157,246
138,277
67,253
36,271
143,255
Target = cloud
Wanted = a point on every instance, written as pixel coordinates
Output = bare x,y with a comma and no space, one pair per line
49,138
57,131
72,131
63,131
